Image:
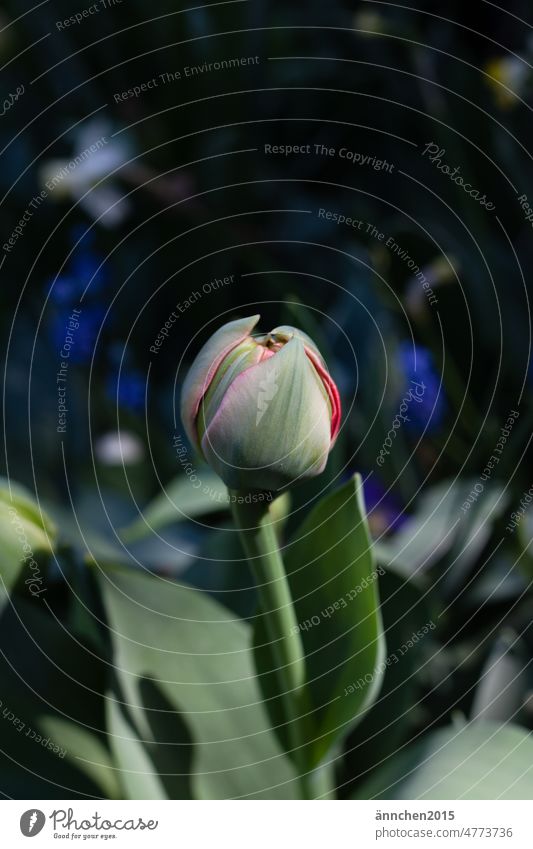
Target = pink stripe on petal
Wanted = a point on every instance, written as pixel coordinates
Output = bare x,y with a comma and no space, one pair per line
331,389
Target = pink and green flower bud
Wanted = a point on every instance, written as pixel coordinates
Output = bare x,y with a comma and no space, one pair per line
262,410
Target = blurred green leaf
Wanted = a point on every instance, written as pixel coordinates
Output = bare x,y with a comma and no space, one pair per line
481,760
24,534
199,657
90,527
138,775
426,536
501,580
502,684
154,752
87,753
439,524
179,501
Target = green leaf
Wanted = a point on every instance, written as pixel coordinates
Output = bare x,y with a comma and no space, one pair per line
482,760
503,683
86,752
138,775
198,655
181,500
333,580
171,746
152,745
440,525
25,533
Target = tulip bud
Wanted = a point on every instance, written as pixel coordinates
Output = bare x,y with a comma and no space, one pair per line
262,410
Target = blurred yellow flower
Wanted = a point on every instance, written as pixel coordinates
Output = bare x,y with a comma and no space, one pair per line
370,23
507,78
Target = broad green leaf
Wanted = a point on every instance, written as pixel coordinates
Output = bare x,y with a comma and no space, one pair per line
87,753
169,741
180,500
90,528
503,682
154,753
501,580
333,580
138,774
24,535
199,657
32,770
481,760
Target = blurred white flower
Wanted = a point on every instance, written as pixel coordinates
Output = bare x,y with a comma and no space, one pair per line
119,448
89,175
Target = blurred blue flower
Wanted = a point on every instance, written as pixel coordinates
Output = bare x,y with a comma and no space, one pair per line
127,390
64,290
428,409
384,510
83,344
85,266
83,269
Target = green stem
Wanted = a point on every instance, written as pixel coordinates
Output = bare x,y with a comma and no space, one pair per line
319,783
257,532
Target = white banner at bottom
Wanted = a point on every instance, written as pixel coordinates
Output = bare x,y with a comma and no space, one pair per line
263,824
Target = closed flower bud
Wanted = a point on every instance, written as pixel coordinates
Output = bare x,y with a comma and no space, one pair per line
262,410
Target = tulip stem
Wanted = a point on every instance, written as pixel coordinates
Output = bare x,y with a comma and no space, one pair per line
258,535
